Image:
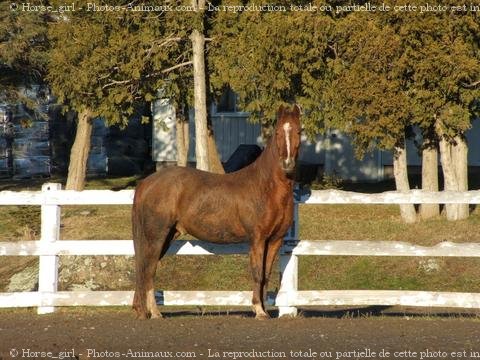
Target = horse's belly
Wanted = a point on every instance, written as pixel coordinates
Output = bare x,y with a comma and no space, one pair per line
218,233
223,238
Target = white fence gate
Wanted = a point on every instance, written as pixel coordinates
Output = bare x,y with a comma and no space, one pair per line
288,298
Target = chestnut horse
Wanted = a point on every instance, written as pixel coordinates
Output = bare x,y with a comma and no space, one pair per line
253,204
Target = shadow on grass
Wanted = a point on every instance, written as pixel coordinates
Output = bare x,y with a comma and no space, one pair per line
28,184
388,311
114,183
344,313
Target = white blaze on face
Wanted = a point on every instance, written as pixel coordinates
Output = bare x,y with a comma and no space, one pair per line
287,128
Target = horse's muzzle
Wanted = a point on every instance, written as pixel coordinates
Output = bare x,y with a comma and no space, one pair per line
288,165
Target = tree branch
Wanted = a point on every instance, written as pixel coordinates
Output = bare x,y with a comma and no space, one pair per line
471,85
334,49
117,82
169,39
167,70
131,81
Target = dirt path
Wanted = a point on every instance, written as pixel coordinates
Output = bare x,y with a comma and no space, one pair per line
103,334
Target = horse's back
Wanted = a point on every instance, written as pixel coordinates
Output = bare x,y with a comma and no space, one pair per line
174,186
175,178
162,184
186,195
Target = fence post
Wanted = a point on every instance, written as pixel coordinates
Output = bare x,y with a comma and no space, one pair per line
289,267
48,266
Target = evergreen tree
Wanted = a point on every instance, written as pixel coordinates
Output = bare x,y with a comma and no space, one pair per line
372,75
23,46
395,70
366,96
109,64
271,58
442,58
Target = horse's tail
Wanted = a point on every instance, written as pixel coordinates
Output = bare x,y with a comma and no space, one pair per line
140,297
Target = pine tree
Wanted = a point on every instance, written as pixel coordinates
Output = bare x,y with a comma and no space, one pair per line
373,75
109,64
23,47
271,58
395,70
442,58
366,96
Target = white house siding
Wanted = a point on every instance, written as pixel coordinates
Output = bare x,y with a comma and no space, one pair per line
473,140
231,130
164,132
333,150
341,160
414,156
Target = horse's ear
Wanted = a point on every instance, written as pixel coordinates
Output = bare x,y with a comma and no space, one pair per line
281,110
296,110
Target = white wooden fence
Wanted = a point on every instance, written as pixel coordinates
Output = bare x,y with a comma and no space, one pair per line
50,247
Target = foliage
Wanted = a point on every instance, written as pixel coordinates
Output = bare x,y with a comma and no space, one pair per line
442,57
393,70
370,74
118,60
23,46
366,96
271,58
328,182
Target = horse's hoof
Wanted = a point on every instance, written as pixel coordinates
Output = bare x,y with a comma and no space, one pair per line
141,316
262,316
156,316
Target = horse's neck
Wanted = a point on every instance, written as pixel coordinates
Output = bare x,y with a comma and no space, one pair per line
269,156
267,167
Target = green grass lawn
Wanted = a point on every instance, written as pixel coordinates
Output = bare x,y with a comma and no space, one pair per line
317,222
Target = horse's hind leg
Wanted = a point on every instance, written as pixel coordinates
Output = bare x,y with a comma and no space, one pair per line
159,251
148,250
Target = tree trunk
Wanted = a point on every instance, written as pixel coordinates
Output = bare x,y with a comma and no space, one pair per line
453,155
429,178
77,169
450,181
460,161
183,139
400,172
213,157
200,97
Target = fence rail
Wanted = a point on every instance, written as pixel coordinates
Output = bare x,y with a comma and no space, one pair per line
50,247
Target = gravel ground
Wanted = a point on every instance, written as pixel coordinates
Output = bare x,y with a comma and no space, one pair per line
112,334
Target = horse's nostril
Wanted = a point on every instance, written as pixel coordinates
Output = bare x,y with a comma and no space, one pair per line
288,164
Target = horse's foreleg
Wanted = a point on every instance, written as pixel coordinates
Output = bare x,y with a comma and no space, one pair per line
272,250
257,265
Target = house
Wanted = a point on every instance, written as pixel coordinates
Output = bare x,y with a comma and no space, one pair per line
332,153
36,143
41,147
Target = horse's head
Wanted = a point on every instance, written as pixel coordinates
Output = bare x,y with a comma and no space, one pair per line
287,137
